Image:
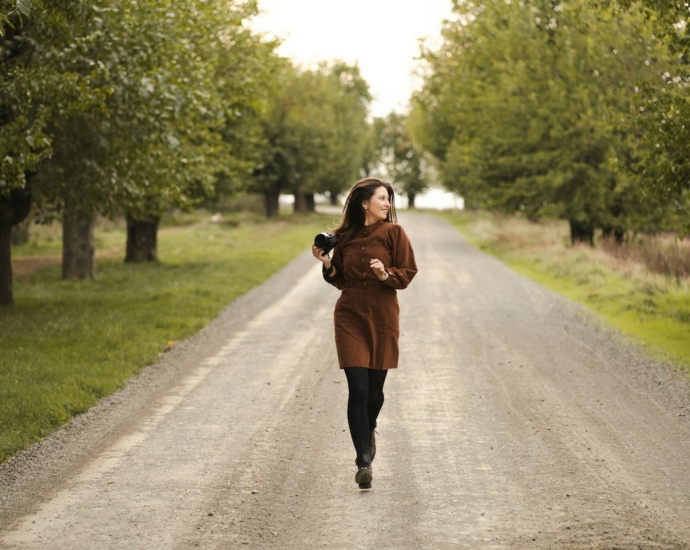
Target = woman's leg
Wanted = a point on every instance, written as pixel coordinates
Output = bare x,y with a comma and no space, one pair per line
357,404
375,401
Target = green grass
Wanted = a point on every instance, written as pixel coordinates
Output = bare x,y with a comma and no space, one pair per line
66,344
651,309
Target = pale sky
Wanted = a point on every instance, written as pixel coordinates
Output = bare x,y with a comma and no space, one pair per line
380,35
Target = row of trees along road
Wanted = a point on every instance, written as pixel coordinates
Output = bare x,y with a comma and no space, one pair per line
320,112
127,108
561,108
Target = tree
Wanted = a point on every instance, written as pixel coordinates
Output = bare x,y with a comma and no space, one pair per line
404,161
315,133
287,148
14,207
124,107
348,149
36,84
662,124
310,133
522,106
215,132
181,79
247,78
372,158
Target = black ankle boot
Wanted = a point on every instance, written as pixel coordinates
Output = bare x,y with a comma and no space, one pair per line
364,473
372,444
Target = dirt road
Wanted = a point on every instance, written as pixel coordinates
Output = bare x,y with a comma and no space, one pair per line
512,422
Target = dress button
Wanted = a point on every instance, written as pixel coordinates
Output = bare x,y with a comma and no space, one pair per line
364,274
362,248
365,283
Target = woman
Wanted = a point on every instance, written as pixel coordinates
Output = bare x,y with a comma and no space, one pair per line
373,259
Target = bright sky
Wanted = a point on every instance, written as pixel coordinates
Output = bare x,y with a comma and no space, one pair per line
380,35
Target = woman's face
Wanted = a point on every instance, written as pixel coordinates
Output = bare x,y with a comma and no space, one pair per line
377,207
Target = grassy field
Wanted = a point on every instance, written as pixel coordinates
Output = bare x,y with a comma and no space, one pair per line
652,308
66,344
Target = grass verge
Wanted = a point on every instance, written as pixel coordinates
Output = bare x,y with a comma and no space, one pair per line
653,309
66,344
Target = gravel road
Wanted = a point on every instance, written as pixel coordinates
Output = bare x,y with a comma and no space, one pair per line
514,421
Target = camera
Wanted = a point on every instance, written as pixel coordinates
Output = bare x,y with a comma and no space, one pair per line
325,241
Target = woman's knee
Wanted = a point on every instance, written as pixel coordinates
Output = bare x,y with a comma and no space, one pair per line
359,392
358,383
376,397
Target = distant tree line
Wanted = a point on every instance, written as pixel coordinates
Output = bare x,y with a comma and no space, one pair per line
562,108
117,107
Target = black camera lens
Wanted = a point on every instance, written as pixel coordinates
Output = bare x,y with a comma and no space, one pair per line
325,241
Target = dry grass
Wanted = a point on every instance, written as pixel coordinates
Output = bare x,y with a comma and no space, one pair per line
654,261
663,254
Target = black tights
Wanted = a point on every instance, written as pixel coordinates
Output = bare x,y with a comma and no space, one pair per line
364,403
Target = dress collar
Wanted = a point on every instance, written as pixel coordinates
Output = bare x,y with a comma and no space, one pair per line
372,226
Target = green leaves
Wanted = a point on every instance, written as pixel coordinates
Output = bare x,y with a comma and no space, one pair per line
404,161
661,123
13,14
132,106
24,7
315,131
527,106
39,83
138,106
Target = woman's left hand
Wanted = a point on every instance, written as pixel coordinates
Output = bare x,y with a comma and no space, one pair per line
379,269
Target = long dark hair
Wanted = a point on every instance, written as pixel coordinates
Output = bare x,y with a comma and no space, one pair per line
354,215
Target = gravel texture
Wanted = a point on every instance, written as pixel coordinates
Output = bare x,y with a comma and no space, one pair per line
514,421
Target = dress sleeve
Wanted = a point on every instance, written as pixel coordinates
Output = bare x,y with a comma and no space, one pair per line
404,267
337,261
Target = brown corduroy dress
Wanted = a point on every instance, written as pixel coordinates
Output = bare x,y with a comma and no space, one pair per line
367,312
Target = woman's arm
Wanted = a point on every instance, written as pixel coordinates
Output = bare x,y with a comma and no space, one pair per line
404,267
331,269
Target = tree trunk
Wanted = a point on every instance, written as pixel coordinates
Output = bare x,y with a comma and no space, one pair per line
617,234
272,202
14,208
411,196
301,205
304,202
334,198
142,239
581,233
78,251
311,202
6,296
20,233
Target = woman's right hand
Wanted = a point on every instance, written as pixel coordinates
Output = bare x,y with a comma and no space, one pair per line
319,255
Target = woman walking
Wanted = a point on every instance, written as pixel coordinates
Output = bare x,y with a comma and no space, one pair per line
372,260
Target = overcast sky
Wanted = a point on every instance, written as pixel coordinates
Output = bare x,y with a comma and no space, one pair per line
380,35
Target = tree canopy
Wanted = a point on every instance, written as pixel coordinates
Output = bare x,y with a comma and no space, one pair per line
315,133
530,107
121,107
663,148
403,159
